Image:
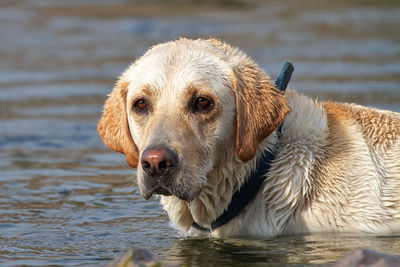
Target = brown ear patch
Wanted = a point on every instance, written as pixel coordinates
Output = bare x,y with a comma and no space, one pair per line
260,109
113,127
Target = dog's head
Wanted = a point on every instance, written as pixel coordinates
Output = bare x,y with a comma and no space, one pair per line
176,106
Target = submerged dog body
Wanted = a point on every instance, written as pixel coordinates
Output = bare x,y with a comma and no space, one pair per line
194,116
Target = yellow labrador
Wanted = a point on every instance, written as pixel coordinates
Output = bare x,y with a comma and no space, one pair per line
196,116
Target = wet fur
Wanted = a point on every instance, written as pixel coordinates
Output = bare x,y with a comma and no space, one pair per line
337,166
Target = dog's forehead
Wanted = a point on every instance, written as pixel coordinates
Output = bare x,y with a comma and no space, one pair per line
175,68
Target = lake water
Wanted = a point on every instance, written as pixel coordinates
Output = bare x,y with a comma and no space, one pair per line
65,199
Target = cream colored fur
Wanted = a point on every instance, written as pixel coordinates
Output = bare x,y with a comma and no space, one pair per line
337,166
305,192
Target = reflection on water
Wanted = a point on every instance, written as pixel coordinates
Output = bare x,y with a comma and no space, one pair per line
67,200
281,251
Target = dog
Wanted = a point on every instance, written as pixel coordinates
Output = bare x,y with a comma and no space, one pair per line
196,118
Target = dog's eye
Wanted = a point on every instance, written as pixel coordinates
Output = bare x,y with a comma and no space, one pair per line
140,106
202,104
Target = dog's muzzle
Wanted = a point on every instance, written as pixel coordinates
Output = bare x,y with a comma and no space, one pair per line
159,165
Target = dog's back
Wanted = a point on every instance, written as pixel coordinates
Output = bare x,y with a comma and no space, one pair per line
360,170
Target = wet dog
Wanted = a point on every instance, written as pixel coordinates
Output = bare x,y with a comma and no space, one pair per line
196,117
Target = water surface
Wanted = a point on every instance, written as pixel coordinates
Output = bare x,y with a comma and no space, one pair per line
65,199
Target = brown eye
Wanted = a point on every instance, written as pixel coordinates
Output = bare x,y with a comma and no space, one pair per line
140,106
202,104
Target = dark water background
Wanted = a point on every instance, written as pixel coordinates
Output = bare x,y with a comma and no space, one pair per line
65,199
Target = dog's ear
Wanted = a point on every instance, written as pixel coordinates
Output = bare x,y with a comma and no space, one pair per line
260,109
113,126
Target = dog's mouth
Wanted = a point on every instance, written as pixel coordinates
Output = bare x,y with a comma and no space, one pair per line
162,191
157,190
165,191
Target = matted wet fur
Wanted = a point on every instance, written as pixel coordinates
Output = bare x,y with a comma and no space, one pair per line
337,166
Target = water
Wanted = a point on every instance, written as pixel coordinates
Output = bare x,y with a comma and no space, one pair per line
65,199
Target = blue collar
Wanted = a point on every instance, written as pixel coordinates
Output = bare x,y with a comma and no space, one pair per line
249,189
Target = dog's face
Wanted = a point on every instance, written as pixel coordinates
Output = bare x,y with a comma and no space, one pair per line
180,103
180,106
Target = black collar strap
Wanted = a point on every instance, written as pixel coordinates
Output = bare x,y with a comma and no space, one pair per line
284,77
249,189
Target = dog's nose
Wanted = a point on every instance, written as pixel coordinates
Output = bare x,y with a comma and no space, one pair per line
158,162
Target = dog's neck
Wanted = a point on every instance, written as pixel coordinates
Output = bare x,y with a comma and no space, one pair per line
247,191
227,177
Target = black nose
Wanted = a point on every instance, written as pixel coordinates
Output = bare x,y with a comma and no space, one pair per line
159,161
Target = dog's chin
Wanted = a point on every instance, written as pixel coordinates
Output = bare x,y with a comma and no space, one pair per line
162,191
187,192
185,196
146,194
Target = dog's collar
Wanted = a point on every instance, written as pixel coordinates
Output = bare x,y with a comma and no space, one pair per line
249,189
284,77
